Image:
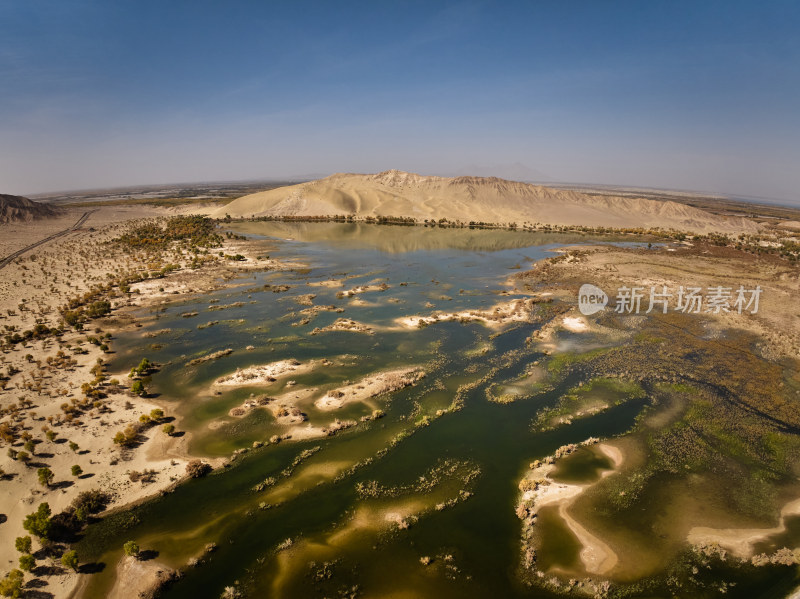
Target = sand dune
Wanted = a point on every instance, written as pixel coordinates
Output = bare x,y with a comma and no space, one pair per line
397,193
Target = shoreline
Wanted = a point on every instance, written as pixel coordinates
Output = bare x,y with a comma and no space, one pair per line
52,373
739,541
539,489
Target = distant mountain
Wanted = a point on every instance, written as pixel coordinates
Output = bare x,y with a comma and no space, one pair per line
513,172
483,199
18,208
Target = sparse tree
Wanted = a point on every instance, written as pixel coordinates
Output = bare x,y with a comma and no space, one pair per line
70,560
23,544
131,548
27,562
38,523
168,429
11,585
45,476
137,388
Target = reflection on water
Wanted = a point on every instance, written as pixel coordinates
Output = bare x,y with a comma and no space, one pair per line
399,238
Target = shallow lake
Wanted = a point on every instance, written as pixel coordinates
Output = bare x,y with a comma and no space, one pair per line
419,502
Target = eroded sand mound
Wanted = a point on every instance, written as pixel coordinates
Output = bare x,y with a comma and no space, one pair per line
792,225
480,199
376,384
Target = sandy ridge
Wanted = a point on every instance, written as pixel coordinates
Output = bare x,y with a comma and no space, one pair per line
483,199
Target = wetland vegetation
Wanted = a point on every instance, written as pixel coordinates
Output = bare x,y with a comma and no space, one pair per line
420,396
425,475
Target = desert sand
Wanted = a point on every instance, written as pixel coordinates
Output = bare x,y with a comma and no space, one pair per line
491,200
42,394
371,386
502,313
264,374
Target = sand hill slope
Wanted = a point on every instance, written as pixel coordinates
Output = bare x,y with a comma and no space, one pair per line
17,208
481,199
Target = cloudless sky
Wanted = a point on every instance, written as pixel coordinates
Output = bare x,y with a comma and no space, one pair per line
696,94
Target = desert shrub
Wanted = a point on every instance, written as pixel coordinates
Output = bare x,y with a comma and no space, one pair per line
197,468
70,559
91,502
38,523
27,562
230,593
127,437
131,548
144,367
77,470
11,585
137,388
45,476
98,309
23,544
7,432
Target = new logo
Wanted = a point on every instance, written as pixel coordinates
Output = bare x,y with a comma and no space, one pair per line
591,299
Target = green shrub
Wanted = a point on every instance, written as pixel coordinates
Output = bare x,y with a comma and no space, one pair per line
137,388
27,562
23,544
131,548
70,560
11,585
38,523
45,476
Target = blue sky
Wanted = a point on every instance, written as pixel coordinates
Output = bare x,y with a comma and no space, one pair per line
694,95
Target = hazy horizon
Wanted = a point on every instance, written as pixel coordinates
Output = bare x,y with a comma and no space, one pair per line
293,180
673,95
